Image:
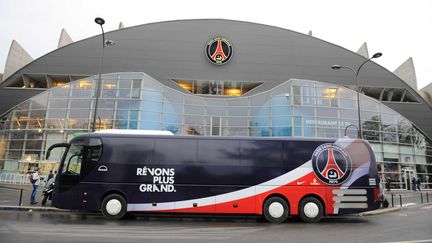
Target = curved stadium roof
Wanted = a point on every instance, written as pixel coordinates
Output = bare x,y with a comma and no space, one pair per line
175,50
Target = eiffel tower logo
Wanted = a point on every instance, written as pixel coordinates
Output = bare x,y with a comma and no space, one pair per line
332,170
219,55
219,50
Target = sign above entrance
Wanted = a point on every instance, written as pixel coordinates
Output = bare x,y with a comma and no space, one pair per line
219,50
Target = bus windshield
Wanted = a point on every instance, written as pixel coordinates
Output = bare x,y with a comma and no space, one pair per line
82,156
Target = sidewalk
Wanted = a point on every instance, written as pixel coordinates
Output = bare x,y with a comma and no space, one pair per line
10,194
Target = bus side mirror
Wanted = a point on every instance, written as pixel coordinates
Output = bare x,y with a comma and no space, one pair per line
48,154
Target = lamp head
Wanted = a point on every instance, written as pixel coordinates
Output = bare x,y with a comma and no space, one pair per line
376,55
99,21
110,43
336,67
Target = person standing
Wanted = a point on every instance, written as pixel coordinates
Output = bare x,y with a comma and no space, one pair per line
50,175
388,183
418,183
35,180
413,183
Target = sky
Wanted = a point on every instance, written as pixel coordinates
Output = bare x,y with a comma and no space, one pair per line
399,29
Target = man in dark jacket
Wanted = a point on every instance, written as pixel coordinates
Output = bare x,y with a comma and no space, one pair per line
413,183
418,182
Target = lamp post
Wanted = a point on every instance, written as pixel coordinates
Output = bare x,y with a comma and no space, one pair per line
100,21
356,73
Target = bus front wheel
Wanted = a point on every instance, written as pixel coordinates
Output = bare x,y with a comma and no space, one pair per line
311,210
276,210
114,206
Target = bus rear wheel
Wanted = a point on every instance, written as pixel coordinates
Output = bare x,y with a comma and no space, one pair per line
276,210
311,210
114,206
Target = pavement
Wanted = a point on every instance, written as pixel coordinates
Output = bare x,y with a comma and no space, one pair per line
10,194
407,226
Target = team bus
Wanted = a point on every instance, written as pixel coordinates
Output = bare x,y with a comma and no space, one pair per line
273,177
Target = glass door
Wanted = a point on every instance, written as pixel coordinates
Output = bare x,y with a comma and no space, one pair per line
408,175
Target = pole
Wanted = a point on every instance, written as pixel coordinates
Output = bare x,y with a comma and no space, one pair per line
400,201
98,81
356,73
392,200
421,196
360,131
20,198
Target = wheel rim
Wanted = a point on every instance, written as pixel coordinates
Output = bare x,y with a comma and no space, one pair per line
276,209
311,210
113,207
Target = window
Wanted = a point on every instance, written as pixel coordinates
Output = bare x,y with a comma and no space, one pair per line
261,153
73,159
175,151
82,153
213,87
218,152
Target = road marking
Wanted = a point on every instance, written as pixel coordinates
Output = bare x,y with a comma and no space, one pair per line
299,183
410,241
409,204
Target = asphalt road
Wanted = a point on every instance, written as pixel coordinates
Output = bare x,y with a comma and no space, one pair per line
411,225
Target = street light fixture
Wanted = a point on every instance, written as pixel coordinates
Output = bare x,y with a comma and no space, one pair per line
100,21
356,73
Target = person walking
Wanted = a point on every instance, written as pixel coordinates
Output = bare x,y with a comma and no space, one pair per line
413,183
388,183
418,183
35,180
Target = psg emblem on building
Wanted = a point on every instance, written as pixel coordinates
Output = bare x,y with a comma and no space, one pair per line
219,50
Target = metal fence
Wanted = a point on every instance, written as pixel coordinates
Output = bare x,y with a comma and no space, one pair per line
13,178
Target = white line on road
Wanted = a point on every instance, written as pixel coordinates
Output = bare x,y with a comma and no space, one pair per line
409,204
410,241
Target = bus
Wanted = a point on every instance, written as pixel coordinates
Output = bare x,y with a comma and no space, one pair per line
270,176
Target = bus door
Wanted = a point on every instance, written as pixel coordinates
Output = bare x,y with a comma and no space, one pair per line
80,159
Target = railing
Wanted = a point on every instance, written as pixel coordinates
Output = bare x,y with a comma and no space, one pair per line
13,178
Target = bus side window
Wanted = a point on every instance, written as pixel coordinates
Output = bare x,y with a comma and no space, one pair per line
92,154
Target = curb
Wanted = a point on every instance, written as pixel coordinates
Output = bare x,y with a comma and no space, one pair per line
30,208
389,210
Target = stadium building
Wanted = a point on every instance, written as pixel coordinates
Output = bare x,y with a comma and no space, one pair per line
212,78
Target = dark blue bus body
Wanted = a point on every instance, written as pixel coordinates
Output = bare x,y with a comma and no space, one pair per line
224,175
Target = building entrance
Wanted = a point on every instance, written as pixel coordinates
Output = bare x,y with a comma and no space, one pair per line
407,175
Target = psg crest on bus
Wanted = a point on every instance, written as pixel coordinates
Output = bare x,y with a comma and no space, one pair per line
219,50
331,164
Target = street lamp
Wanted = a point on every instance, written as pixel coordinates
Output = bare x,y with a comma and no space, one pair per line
356,73
100,21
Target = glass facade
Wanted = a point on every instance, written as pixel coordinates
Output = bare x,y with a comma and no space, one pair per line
297,108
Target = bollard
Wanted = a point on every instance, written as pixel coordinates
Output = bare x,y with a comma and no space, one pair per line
421,196
427,197
400,200
392,201
20,199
